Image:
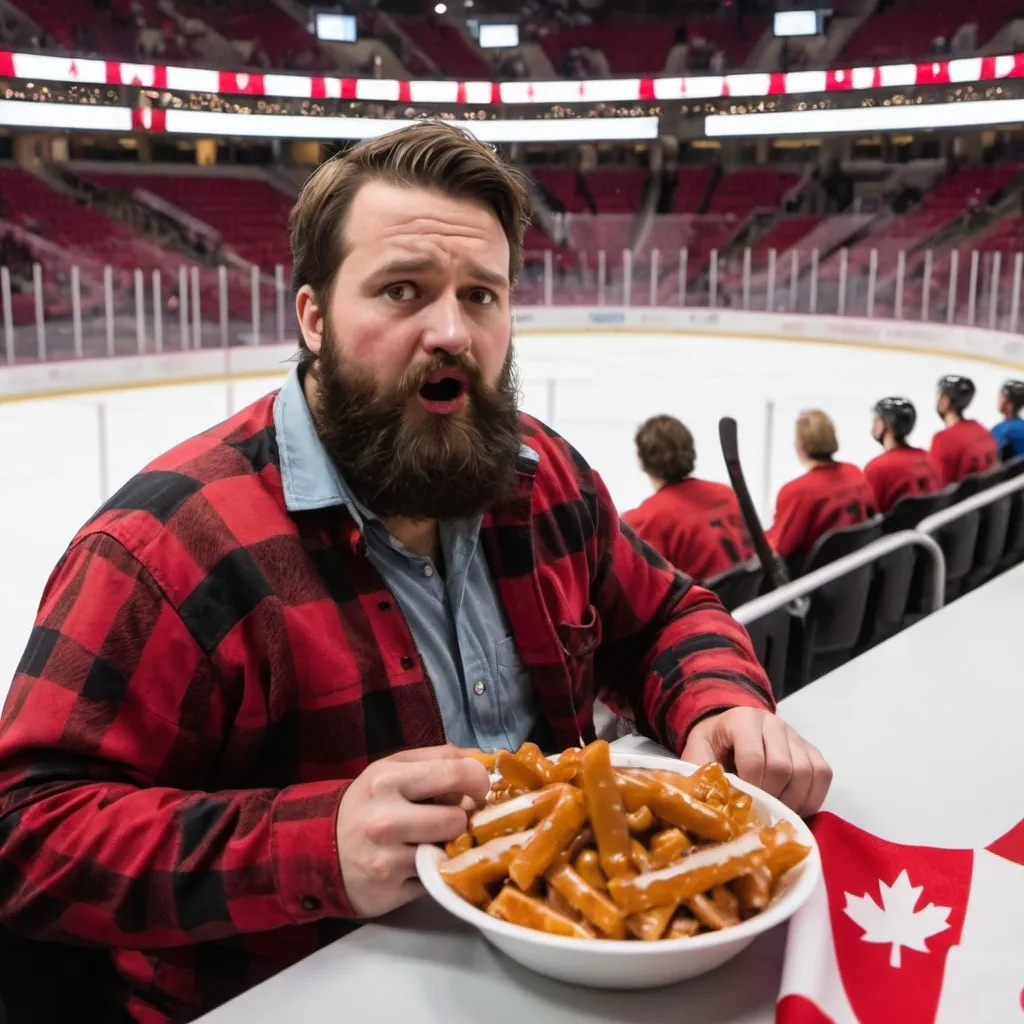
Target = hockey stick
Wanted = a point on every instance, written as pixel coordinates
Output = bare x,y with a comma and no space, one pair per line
773,568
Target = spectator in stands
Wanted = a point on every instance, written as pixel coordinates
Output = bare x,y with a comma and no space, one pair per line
964,447
226,737
695,524
830,495
901,470
1009,435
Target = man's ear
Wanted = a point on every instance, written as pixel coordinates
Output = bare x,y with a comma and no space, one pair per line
311,319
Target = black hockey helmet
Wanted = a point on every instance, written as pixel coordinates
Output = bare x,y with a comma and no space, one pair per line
1013,392
959,390
898,414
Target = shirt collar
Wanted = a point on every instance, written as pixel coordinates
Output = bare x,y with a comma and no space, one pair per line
308,476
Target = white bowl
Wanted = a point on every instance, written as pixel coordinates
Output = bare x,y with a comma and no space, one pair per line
606,963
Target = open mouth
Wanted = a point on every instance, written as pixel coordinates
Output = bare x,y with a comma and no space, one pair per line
443,390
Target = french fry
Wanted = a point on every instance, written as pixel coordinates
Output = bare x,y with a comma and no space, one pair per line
593,905
650,925
460,844
517,908
640,820
552,835
584,840
675,806
689,877
607,814
710,914
639,856
588,864
725,899
558,903
472,871
513,815
682,927
754,890
486,759
668,846
783,849
518,771
739,808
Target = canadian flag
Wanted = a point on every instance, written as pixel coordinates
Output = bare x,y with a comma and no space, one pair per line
908,934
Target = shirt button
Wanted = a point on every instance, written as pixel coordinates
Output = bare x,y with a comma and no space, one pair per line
478,687
407,662
428,571
310,904
384,606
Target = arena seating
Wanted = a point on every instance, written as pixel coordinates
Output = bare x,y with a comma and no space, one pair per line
633,46
260,26
954,196
448,48
74,24
563,184
251,215
908,29
736,39
616,190
785,234
690,188
746,189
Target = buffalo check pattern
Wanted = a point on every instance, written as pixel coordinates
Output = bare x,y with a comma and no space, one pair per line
207,674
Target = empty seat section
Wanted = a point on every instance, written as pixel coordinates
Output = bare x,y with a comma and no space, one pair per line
617,190
633,47
251,215
747,189
448,48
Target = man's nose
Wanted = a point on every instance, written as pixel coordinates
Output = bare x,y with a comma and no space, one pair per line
445,327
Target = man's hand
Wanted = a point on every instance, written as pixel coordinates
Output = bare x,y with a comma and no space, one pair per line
415,796
766,753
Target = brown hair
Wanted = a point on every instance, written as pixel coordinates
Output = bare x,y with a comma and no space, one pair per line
665,449
431,155
817,434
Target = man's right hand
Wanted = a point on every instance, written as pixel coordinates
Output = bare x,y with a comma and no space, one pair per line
388,811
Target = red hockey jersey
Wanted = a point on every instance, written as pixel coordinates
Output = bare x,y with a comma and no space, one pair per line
962,449
696,525
899,473
830,496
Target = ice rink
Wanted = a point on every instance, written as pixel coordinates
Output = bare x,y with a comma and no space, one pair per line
595,388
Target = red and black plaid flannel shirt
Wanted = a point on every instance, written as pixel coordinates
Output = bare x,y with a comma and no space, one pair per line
208,672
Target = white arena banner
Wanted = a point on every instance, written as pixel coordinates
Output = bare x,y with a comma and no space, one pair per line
906,117
998,347
35,67
215,124
283,126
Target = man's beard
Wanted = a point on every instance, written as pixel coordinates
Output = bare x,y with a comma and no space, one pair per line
401,460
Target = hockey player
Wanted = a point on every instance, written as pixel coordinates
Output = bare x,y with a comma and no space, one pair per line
965,446
695,524
901,470
828,496
1009,434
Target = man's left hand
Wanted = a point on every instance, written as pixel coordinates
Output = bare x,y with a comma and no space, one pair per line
765,752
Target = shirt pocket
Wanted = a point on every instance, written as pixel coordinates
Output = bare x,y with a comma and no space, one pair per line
579,643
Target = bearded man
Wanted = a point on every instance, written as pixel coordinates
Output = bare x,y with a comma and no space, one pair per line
244,698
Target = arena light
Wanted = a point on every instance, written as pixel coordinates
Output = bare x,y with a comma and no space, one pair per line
284,126
216,124
81,117
908,117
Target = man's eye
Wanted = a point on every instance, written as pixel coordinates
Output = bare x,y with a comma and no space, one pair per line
482,296
400,292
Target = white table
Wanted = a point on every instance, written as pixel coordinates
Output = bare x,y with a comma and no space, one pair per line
898,702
